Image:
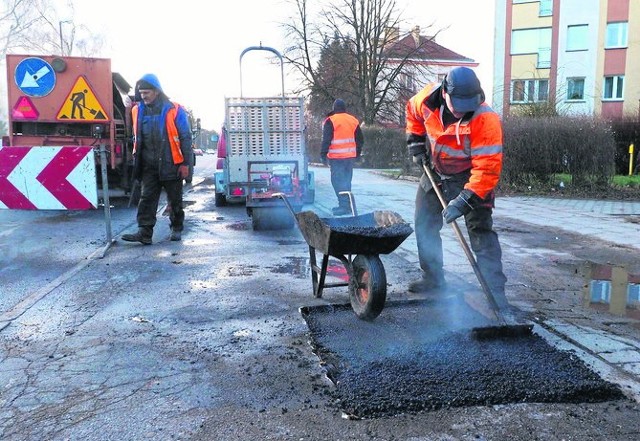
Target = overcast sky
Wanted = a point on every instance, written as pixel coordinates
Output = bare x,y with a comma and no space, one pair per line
194,47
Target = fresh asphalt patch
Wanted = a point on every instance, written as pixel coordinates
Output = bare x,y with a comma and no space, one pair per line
421,355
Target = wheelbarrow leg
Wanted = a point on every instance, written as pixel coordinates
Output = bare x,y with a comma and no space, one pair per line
323,275
318,281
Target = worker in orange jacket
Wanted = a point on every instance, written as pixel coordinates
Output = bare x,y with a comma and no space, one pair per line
453,131
342,142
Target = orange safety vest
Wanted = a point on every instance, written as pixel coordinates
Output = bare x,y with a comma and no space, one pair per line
343,144
172,132
474,144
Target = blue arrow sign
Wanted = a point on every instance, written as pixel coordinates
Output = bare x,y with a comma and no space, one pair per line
35,77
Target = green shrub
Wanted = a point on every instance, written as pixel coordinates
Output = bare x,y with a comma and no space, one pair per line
383,147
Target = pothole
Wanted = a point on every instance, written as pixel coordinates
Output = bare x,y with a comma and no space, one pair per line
421,356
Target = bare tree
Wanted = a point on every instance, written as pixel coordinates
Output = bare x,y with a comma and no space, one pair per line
36,26
366,29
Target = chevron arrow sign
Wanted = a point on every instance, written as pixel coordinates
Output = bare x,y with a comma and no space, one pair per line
48,178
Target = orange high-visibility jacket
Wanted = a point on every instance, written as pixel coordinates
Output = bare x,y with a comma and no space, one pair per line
172,132
472,144
343,144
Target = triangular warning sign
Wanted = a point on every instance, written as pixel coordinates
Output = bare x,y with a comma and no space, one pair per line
81,104
24,109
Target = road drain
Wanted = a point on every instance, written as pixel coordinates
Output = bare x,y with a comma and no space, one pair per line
410,359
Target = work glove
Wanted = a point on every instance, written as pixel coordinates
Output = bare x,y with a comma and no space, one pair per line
417,146
459,206
183,171
421,159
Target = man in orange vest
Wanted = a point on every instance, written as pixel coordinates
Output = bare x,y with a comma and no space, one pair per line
162,154
342,142
454,132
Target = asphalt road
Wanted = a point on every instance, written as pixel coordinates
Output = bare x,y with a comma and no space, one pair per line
206,339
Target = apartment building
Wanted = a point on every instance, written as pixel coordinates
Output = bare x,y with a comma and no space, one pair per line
578,55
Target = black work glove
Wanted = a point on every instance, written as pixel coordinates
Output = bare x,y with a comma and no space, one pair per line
417,146
459,206
421,159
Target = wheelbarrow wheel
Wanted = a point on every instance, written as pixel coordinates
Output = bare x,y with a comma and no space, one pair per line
367,286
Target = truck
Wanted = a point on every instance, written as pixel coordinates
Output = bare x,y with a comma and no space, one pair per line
75,101
263,154
71,101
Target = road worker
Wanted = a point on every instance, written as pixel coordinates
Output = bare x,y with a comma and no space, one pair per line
342,142
453,131
162,155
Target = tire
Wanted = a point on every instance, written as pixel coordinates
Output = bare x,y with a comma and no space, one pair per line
271,218
221,200
367,286
309,197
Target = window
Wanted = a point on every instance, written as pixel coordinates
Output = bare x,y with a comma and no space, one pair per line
406,81
529,91
546,8
530,41
577,37
616,35
544,58
613,87
575,89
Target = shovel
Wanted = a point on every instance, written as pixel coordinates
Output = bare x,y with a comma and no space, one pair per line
507,327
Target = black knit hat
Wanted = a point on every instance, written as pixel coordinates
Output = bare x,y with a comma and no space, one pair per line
339,106
145,85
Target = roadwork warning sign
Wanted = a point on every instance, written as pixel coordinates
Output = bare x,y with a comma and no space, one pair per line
81,104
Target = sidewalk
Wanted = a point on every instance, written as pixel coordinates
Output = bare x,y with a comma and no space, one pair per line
614,221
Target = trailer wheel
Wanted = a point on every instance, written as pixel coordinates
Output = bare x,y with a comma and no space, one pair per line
221,200
309,197
271,218
367,286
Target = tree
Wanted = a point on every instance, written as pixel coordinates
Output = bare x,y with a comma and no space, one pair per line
355,62
36,26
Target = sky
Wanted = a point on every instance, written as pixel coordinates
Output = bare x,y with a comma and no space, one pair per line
194,47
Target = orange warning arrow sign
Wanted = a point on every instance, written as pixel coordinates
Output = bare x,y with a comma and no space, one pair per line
81,104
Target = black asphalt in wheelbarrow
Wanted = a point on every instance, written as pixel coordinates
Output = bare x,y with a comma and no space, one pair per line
419,356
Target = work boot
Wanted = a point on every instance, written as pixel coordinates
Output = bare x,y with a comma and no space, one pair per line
340,211
140,236
427,285
175,235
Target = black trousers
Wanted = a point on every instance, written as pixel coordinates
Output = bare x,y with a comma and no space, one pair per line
483,240
152,187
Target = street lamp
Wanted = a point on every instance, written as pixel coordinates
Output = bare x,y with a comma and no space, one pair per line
60,31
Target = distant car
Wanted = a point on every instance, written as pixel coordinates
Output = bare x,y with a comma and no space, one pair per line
198,152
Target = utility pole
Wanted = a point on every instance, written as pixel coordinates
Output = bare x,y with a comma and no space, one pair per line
60,32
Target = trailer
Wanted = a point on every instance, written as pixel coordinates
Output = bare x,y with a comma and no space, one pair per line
264,154
71,101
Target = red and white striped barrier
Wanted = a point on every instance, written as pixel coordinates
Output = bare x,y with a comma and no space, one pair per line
48,178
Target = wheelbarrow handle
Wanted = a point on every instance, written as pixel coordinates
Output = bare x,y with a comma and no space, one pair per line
465,246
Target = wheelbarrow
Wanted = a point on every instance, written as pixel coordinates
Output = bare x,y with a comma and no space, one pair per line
364,236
